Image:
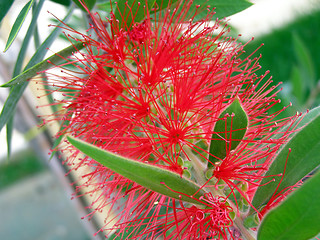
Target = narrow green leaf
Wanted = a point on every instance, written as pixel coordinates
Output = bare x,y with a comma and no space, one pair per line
297,217
297,84
5,6
165,3
45,64
149,176
63,2
310,116
128,11
305,61
223,8
316,237
8,110
63,125
303,158
17,24
18,89
24,46
9,136
252,221
43,49
229,131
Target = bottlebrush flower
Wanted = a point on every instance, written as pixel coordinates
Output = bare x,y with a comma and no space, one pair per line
153,91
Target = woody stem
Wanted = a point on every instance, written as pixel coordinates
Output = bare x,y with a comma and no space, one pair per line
244,232
199,170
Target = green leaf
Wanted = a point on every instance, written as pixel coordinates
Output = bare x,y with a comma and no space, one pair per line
17,24
20,86
27,38
252,221
297,217
18,89
62,2
63,125
305,61
6,116
152,177
131,11
165,3
316,237
229,131
223,8
297,84
89,3
45,64
5,6
9,136
303,158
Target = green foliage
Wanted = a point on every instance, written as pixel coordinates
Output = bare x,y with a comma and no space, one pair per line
62,2
19,84
6,116
89,3
303,158
229,131
223,8
150,176
23,164
5,6
128,10
17,24
279,52
58,140
304,59
297,217
9,130
286,53
45,64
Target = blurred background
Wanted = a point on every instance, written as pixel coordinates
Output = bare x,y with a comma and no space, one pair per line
34,192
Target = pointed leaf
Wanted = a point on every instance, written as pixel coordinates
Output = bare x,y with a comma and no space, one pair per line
20,80
316,237
62,2
89,3
17,91
223,8
63,125
17,24
131,10
9,107
297,84
26,40
9,136
45,64
303,158
5,6
229,131
305,61
152,177
43,49
295,218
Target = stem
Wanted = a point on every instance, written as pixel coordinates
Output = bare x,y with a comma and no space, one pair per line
244,232
199,168
199,173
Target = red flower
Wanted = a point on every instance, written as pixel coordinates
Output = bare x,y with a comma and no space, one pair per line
153,92
210,222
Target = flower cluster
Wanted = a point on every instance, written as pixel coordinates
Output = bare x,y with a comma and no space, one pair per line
153,91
